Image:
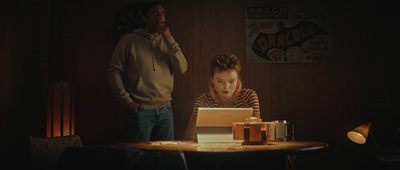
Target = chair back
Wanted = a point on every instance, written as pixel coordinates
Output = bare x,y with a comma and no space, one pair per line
45,152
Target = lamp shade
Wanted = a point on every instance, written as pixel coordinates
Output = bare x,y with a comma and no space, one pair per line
359,134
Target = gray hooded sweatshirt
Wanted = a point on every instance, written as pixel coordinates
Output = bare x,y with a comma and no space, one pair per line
142,67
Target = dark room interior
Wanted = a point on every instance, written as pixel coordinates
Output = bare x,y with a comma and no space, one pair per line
44,41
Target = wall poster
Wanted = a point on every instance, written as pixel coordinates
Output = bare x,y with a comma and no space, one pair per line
288,34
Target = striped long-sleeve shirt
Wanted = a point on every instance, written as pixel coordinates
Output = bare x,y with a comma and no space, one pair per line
247,98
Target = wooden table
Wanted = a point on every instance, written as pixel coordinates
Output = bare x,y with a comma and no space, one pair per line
287,147
234,155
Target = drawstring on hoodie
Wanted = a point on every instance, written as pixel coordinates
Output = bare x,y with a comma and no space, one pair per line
152,58
152,51
151,39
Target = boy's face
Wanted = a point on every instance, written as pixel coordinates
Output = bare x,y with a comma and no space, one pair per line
155,17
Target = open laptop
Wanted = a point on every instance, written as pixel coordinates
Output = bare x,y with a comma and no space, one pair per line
215,124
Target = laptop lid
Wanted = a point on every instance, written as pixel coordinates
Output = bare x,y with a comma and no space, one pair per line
215,124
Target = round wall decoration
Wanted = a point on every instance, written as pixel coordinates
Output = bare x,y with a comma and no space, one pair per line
126,20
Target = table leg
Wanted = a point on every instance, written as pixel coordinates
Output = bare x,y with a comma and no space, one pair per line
290,162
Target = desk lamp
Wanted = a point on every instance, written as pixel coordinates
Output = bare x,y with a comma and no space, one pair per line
387,159
359,134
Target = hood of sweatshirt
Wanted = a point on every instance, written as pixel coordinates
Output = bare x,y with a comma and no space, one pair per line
146,34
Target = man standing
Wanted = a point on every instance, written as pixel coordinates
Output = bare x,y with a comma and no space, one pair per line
141,76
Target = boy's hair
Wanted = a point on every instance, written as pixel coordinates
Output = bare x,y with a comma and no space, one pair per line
147,7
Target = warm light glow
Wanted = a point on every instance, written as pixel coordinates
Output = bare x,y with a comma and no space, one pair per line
359,134
356,137
60,109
